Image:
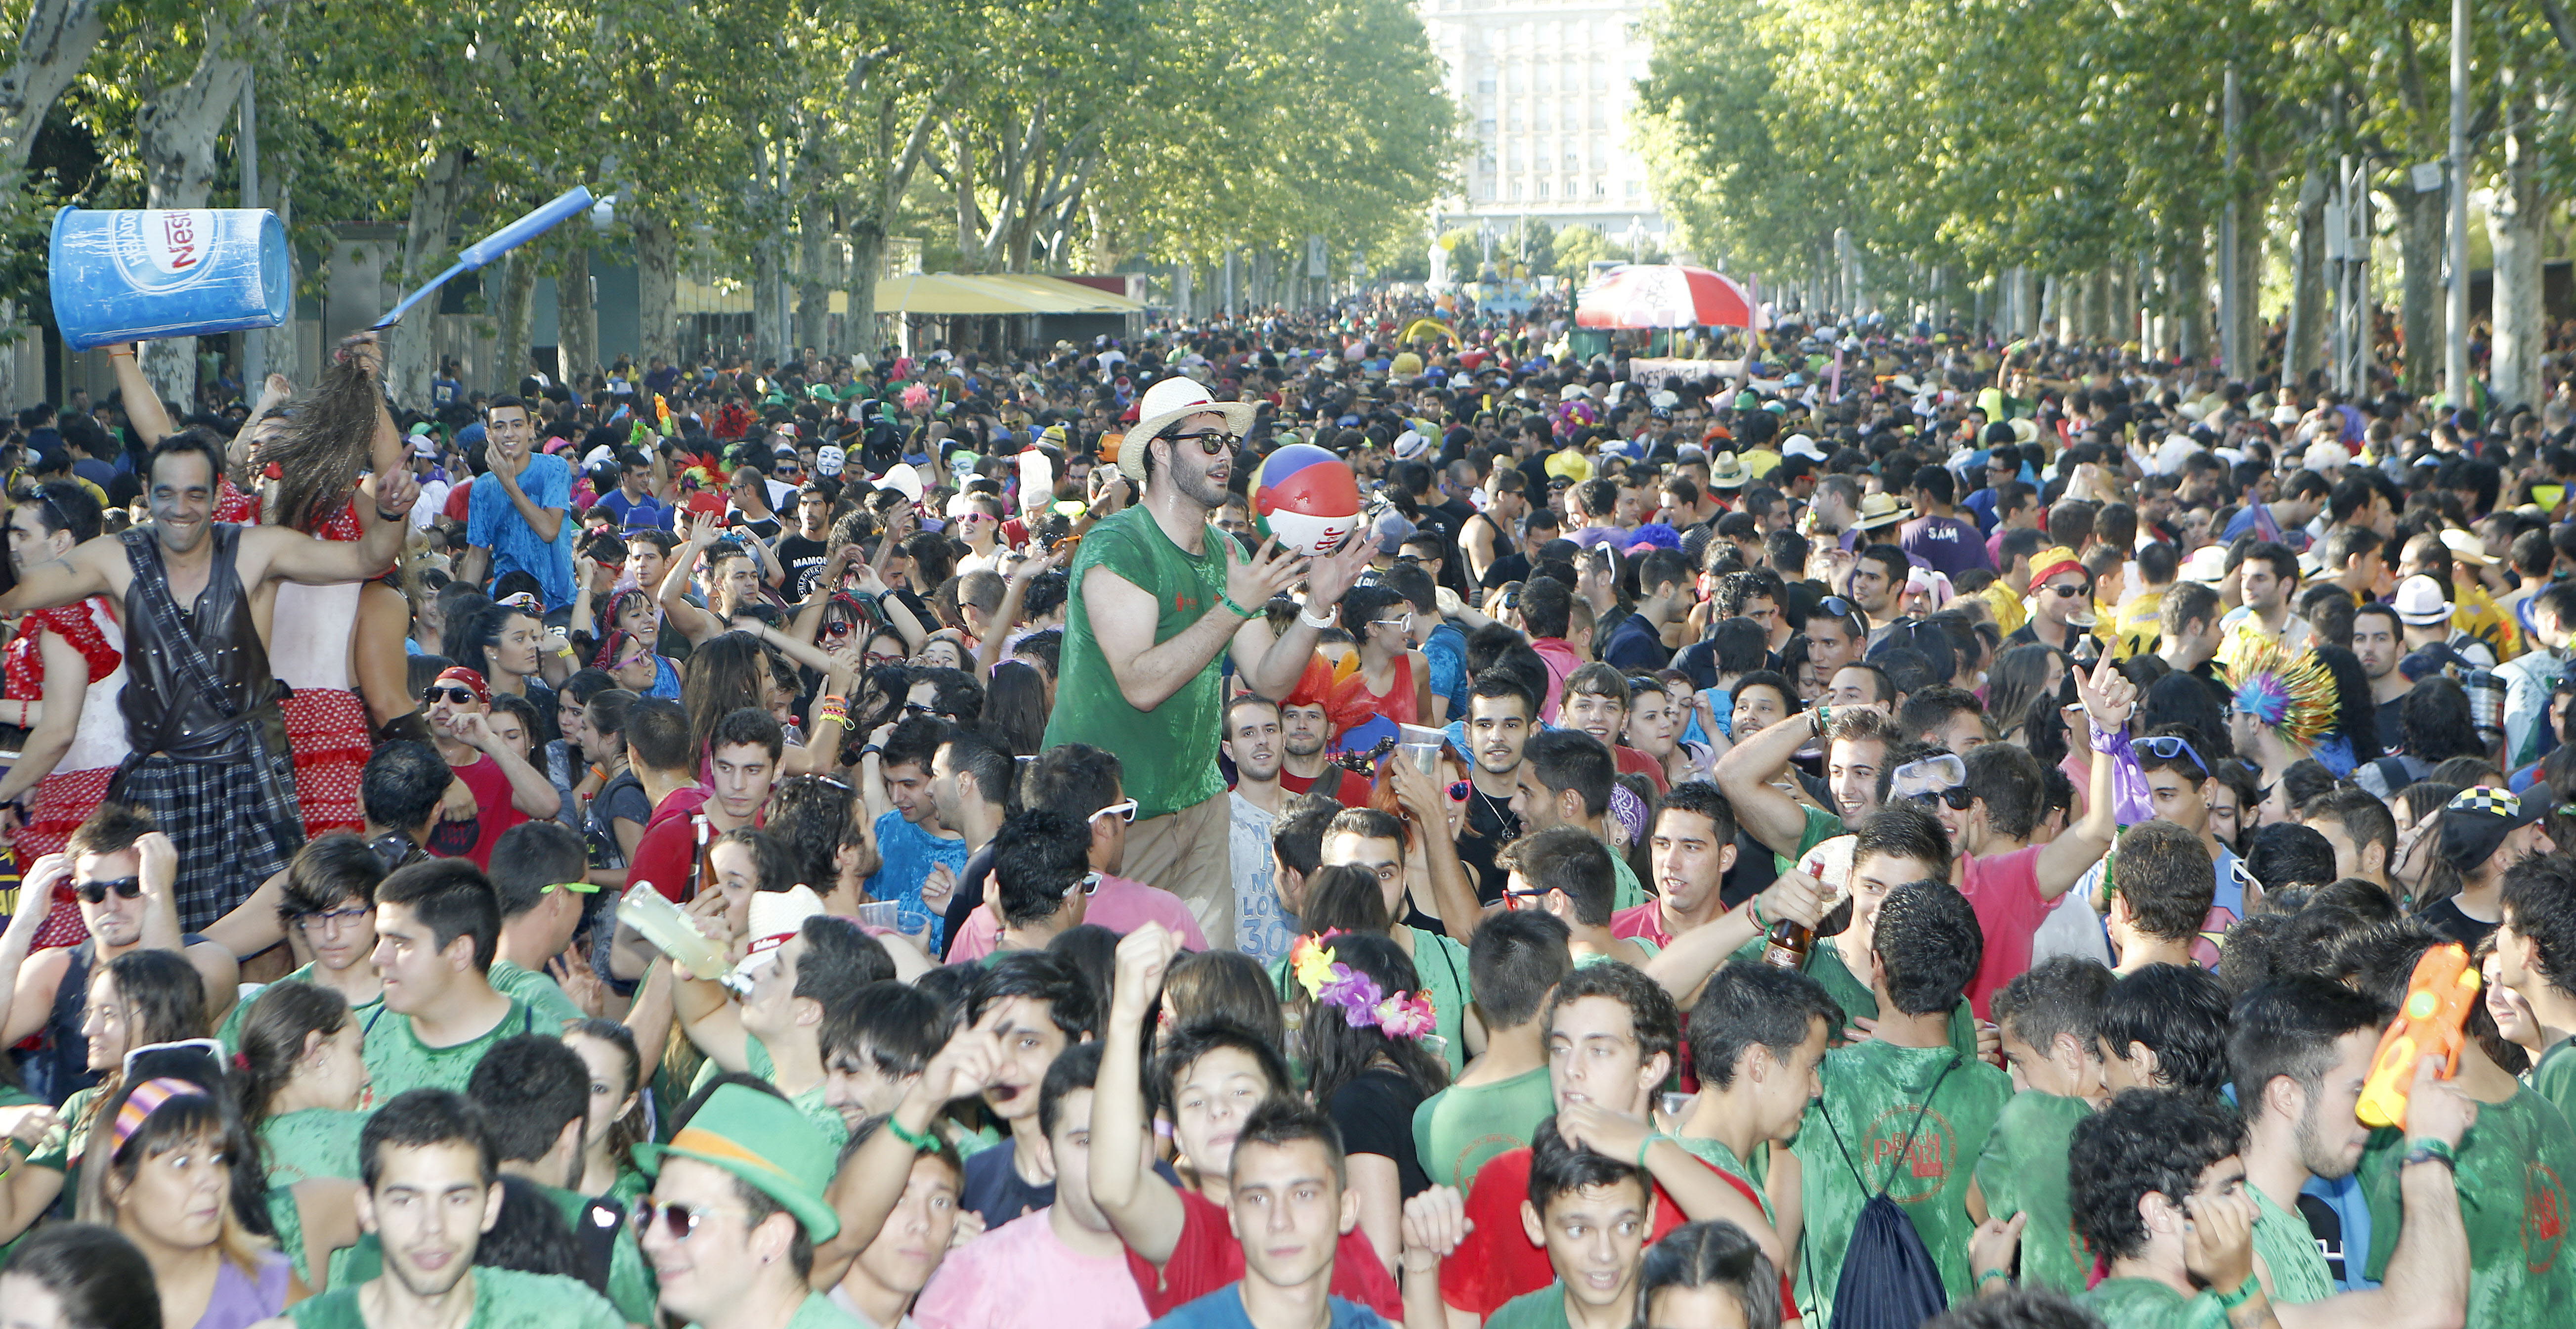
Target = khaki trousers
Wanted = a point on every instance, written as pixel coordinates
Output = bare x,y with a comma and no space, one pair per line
1185,852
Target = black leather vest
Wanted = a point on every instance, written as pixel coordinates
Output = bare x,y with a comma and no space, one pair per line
163,711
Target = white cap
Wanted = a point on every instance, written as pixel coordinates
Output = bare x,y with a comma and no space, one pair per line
2419,601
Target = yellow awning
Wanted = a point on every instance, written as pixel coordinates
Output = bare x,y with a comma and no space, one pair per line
995,293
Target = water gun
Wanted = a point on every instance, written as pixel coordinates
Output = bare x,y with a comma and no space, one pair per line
2429,1024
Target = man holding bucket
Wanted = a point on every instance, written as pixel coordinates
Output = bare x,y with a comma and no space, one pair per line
201,705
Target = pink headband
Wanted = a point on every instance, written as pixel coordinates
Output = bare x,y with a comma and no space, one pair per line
147,1099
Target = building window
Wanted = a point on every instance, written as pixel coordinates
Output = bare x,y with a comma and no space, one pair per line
1542,189
1634,189
1485,192
1601,189
1516,189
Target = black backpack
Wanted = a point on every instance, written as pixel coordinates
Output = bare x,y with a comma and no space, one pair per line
1888,1278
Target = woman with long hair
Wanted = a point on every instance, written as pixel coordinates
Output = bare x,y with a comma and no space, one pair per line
505,644
299,1081
65,672
2021,674
78,1276
616,1122
1366,1016
135,1000
167,1150
1015,708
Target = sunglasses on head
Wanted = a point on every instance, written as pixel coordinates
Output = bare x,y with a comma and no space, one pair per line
438,692
95,892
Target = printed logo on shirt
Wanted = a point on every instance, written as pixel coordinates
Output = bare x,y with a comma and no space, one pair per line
1927,1162
2544,1217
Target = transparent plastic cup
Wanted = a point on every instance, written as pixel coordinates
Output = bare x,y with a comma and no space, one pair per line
662,923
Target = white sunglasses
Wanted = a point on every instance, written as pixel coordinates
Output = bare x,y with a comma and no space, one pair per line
1123,810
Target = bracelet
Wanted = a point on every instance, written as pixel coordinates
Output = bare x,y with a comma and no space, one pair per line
1759,923
1239,611
382,515
871,750
1993,1273
1646,1144
2227,1301
1824,715
2430,1151
1326,625
121,355
916,1140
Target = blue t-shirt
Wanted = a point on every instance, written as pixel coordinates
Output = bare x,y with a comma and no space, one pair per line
1447,652
493,522
637,514
1223,1309
910,853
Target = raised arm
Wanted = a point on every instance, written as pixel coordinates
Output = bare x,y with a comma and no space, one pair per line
871,1179
1271,665
60,581
2108,699
1744,776
1144,1209
143,408
384,514
988,652
530,791
694,623
1684,965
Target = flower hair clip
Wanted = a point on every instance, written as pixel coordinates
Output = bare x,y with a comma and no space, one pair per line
1329,982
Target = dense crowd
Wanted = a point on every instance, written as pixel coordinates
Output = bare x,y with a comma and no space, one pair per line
1883,827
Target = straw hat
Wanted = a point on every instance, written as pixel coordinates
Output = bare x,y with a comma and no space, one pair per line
1725,471
1877,510
1166,403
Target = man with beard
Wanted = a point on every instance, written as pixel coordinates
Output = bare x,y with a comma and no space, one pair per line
1303,766
2301,1049
1159,596
430,1190
207,738
1263,928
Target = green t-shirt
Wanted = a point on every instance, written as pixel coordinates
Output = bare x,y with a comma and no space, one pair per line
2554,1078
230,1032
503,1299
1461,1128
398,1061
1629,892
317,1142
1873,1093
2143,1303
540,991
630,1281
817,1312
1168,754
1821,826
2513,1201
2023,1170
1717,1155
2298,1272
756,1058
1543,1309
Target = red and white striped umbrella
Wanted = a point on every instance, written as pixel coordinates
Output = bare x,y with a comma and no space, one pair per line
1660,295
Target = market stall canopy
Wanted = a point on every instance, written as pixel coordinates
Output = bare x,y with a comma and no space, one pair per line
1662,295
944,293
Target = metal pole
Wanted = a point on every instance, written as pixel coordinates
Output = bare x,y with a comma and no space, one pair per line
2232,120
2455,359
246,147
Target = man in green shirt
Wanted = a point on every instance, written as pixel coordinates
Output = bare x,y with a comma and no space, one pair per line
801,963
1157,595
2302,1049
538,870
2535,949
2159,1193
431,1189
736,1211
328,896
1515,962
1903,1113
1592,1213
1857,742
535,1093
1757,1038
2045,1017
438,925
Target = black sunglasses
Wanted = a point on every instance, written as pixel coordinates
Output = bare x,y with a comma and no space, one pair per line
1212,442
1957,796
2067,592
680,1220
462,696
95,892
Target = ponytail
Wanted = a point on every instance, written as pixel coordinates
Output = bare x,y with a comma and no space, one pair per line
272,1041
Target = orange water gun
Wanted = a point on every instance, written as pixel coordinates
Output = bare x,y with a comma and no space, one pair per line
2430,1024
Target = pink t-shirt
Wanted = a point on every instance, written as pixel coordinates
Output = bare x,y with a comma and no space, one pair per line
1021,1275
1645,920
1119,905
2004,888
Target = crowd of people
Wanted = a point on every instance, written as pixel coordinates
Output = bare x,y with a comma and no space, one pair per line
1891,828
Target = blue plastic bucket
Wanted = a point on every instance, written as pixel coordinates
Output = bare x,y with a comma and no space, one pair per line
121,276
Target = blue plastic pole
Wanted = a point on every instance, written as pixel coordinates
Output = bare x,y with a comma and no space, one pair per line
490,247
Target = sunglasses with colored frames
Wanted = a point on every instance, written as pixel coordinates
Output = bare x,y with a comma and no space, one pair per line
438,693
95,892
1211,442
679,1220
2170,746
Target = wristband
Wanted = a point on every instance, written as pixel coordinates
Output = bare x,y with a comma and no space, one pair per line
2228,1301
915,1140
1759,923
382,515
1646,1144
1824,715
871,750
1992,1274
1238,610
1325,626
2431,1151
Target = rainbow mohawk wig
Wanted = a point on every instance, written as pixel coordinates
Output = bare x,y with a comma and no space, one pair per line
2293,695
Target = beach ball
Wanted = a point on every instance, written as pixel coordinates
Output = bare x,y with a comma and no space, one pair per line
1307,497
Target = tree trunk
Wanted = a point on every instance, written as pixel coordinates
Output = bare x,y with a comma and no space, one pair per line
867,259
657,286
2516,228
2191,290
576,316
2249,277
434,199
970,238
768,317
2304,350
53,47
813,297
517,310
2421,222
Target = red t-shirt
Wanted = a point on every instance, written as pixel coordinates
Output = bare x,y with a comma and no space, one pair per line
1497,1262
1645,920
669,848
1207,1257
2005,890
460,499
1633,762
1339,785
493,814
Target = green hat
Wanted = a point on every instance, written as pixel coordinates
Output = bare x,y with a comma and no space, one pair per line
764,1140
